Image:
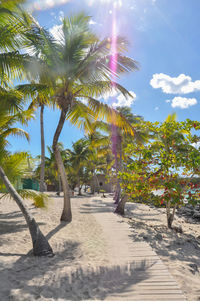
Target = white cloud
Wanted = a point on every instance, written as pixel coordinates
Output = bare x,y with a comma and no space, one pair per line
182,84
56,32
196,145
46,4
91,22
61,15
156,108
168,100
108,95
123,101
183,102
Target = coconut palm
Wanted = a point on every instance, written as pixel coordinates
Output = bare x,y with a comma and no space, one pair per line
41,46
119,139
40,95
19,31
9,115
100,150
77,158
14,24
83,71
51,171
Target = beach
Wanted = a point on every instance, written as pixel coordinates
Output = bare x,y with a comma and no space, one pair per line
87,258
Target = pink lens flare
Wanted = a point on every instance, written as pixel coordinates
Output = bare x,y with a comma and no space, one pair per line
114,58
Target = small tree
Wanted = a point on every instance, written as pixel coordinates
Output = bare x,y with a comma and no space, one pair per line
162,165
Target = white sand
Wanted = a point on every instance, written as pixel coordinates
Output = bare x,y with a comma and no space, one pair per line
85,259
180,252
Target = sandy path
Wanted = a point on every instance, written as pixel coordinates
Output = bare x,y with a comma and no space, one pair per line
95,258
139,272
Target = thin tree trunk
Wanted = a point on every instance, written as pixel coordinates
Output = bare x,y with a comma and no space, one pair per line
42,170
170,216
121,206
41,246
79,186
79,190
97,181
118,164
66,213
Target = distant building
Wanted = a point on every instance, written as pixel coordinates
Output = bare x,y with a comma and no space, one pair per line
99,182
30,184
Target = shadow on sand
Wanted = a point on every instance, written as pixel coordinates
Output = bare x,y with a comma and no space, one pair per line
7,225
32,278
168,243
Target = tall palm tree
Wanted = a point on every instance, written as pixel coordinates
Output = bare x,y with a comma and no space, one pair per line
40,95
14,24
83,71
9,115
41,45
119,139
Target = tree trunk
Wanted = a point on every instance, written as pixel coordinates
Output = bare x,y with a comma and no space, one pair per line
97,181
66,213
59,185
79,186
118,166
121,206
117,192
41,246
42,170
170,216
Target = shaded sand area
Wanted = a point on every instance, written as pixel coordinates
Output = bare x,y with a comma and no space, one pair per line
97,256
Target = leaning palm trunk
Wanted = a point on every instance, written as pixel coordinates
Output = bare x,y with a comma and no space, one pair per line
41,246
66,214
42,170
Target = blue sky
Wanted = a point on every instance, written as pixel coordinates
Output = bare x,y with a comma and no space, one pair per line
164,38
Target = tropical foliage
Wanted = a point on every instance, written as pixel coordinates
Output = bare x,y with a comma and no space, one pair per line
162,165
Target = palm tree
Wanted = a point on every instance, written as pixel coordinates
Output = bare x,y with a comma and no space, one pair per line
100,151
83,72
41,46
77,158
51,172
14,23
9,115
119,140
141,136
40,95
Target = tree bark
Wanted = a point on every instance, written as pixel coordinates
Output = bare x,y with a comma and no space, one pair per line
79,190
117,194
170,216
121,205
118,166
66,213
41,246
42,170
97,181
79,186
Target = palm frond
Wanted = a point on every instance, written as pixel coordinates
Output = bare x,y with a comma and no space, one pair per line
40,199
103,111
